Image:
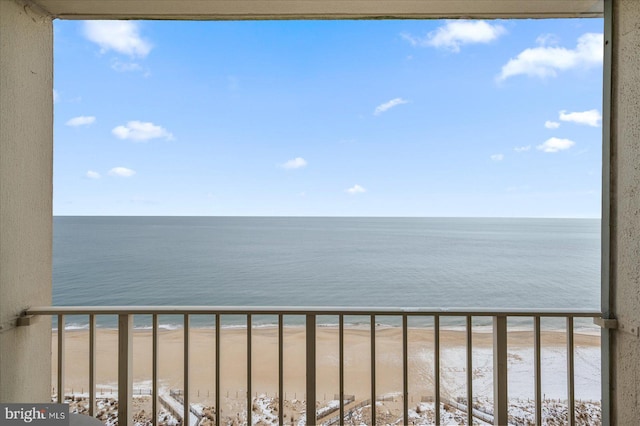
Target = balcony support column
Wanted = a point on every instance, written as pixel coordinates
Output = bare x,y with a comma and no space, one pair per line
26,152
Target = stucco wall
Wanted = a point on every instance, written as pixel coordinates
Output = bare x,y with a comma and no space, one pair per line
625,193
26,134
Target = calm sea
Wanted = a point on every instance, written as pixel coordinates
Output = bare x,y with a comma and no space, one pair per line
391,262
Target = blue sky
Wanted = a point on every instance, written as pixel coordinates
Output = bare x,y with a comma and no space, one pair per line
328,118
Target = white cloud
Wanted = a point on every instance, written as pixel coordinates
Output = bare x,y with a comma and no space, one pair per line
56,96
590,118
296,163
522,148
120,36
551,124
456,33
81,121
93,175
356,189
141,131
388,105
547,61
497,157
547,39
121,172
555,145
119,66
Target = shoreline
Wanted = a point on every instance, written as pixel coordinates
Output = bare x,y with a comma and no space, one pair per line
233,377
592,329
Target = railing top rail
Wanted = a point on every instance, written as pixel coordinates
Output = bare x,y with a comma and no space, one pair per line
308,310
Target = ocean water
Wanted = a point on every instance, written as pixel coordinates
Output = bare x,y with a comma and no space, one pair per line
294,261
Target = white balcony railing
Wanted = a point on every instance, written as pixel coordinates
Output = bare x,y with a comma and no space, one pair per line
499,317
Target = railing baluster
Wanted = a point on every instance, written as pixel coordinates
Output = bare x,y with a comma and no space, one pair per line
570,375
92,365
125,367
373,369
469,370
500,395
341,356
154,370
249,399
186,406
436,366
311,368
60,359
218,409
280,370
537,349
405,371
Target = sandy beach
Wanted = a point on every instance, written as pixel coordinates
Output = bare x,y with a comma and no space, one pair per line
233,375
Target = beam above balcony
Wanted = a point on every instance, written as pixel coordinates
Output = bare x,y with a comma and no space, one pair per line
317,9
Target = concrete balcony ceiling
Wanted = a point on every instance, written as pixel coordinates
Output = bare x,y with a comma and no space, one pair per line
317,9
